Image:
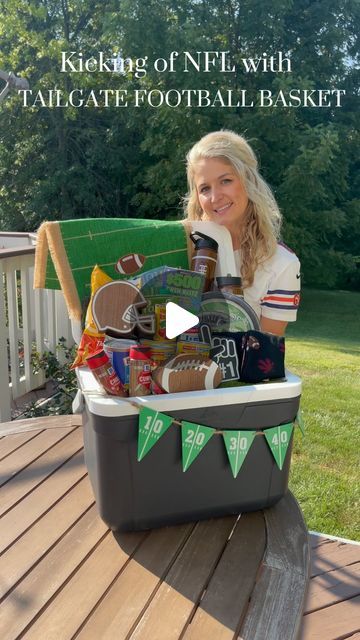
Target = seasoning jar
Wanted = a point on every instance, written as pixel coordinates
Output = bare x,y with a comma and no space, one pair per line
104,373
205,257
230,284
140,371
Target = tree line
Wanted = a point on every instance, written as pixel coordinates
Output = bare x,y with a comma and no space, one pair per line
62,163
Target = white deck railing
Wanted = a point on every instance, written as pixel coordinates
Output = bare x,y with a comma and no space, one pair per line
29,320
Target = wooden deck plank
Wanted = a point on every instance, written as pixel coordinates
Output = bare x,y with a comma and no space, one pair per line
330,556
227,594
337,621
97,573
278,598
34,505
316,541
32,450
33,545
129,594
44,422
28,598
333,587
57,548
11,443
35,473
169,611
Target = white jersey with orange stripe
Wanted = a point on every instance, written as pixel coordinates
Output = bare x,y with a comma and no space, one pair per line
275,292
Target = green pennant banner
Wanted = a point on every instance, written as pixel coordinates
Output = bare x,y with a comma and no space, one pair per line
237,445
299,420
152,425
194,438
278,439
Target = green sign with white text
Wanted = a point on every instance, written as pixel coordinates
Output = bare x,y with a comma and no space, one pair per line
152,425
194,438
278,439
237,445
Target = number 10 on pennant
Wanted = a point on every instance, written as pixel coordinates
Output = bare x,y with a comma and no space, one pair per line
152,425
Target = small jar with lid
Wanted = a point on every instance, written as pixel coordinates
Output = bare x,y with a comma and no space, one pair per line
230,284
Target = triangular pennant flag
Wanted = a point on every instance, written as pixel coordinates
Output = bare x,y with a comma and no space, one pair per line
194,438
237,445
152,425
278,440
300,422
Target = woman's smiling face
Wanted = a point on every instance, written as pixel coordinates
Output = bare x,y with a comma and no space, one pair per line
221,194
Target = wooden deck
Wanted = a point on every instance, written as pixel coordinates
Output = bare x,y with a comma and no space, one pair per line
65,575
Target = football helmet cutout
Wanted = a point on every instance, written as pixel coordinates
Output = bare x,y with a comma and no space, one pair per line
116,306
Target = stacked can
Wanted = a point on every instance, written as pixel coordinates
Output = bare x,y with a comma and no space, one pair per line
104,373
160,350
118,351
140,371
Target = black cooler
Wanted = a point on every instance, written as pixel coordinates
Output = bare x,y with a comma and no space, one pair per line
134,495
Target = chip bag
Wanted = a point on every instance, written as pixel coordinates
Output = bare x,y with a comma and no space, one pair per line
91,340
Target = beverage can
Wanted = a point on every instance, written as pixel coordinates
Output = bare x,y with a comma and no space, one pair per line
118,351
160,350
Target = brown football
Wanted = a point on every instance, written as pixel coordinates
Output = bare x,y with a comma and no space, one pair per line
188,372
130,263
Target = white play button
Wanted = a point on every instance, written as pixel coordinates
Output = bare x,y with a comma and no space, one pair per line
178,320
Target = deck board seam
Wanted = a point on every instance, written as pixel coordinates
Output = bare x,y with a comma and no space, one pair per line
43,555
22,444
42,514
342,566
25,495
109,587
207,582
348,637
37,458
162,579
333,604
62,586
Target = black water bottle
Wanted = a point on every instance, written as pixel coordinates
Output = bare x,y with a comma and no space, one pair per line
205,257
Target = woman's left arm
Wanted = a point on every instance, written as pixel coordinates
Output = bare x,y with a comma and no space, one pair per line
277,327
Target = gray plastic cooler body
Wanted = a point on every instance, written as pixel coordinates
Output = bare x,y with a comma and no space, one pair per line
134,495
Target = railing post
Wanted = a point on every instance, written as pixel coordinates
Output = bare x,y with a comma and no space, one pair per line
5,394
26,323
34,317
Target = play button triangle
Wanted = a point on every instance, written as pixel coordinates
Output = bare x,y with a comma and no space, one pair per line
178,320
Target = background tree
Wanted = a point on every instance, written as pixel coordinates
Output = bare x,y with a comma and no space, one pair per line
69,163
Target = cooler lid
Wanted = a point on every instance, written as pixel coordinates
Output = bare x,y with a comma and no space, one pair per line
101,404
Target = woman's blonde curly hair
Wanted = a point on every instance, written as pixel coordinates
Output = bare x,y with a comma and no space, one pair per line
261,230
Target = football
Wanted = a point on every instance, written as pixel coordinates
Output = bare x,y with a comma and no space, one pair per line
188,372
130,263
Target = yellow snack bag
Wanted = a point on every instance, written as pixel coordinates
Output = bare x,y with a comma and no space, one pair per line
91,340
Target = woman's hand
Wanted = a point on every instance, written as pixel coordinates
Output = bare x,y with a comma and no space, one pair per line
277,327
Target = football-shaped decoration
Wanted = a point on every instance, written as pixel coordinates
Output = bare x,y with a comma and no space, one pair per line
188,372
130,263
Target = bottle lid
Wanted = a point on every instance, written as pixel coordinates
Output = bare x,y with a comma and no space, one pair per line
201,241
97,360
228,281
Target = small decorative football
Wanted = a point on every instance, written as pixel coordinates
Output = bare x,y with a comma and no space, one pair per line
188,372
130,263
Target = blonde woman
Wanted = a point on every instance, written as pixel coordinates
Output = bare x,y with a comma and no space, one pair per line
226,187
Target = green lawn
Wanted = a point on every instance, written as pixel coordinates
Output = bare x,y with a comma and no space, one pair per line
323,347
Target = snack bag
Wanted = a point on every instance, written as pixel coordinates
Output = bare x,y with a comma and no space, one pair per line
91,340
